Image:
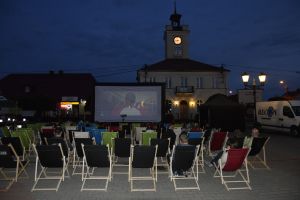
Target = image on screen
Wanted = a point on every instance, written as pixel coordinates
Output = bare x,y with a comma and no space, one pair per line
119,103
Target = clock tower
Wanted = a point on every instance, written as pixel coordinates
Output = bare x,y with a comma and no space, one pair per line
176,38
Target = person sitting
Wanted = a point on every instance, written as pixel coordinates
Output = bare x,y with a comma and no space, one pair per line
223,154
248,140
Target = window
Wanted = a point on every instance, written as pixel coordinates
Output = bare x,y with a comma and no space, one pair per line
214,82
183,81
199,82
288,112
178,51
27,89
152,79
168,82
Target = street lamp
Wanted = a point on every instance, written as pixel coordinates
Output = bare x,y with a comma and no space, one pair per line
83,102
284,85
262,79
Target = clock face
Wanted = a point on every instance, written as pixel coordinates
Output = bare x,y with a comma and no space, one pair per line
177,40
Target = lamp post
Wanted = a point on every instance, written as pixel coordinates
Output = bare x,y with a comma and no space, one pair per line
284,85
262,79
83,102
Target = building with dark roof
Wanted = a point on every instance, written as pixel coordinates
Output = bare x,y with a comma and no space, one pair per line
188,82
50,93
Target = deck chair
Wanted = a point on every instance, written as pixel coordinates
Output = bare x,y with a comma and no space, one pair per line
147,136
236,164
49,157
18,147
107,138
5,131
46,133
257,155
96,156
195,135
162,152
121,150
142,156
216,142
66,149
78,153
184,158
10,160
199,142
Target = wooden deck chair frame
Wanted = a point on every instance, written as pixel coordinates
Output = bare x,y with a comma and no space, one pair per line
87,175
116,156
163,162
200,154
64,146
193,172
45,175
19,169
259,161
211,140
77,160
153,170
17,144
243,167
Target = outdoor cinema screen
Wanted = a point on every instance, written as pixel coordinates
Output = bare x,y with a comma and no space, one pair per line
128,103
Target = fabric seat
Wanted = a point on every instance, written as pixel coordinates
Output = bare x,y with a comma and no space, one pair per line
184,158
143,157
257,158
121,150
10,160
236,160
49,157
95,157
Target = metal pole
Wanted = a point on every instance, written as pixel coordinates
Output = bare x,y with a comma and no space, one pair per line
254,101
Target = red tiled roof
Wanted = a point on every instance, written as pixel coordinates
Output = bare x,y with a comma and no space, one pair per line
182,65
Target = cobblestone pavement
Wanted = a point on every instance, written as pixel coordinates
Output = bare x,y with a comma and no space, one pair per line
281,182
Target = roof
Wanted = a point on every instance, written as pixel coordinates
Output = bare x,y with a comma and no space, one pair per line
182,65
220,100
48,84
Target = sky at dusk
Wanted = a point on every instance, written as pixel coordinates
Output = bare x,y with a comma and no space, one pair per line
113,38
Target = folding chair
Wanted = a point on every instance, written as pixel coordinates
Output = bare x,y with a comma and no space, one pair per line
142,156
49,156
216,142
46,133
121,150
257,148
147,136
10,160
96,156
18,147
236,159
184,158
66,149
162,152
107,138
199,142
78,153
195,134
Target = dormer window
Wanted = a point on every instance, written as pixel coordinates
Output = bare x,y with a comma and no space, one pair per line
27,89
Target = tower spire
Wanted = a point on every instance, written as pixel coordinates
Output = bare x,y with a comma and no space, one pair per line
175,18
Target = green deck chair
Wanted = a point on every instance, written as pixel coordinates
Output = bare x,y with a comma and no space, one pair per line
147,136
107,138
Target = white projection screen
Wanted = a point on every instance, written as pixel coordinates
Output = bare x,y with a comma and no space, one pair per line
128,103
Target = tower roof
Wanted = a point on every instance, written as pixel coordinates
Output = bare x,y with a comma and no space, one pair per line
175,17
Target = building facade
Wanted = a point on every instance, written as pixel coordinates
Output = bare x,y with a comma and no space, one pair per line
188,82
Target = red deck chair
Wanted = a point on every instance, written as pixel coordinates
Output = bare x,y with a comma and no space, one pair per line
236,159
217,142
